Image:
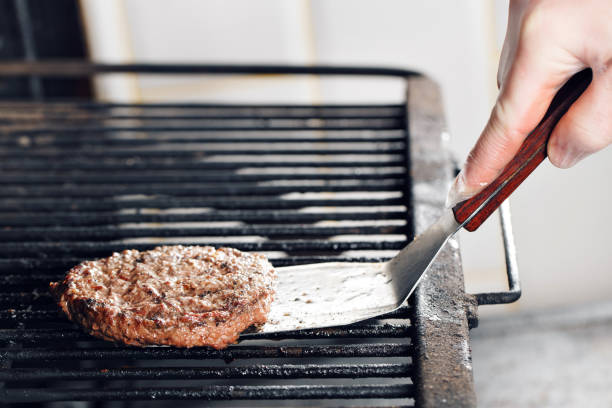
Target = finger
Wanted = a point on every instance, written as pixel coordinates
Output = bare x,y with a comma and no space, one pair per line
587,126
526,93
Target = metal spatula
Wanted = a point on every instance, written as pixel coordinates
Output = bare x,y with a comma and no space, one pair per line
340,293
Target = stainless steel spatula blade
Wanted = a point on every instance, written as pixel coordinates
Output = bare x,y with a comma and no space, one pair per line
339,293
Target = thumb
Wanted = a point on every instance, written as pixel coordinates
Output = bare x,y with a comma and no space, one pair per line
587,126
526,93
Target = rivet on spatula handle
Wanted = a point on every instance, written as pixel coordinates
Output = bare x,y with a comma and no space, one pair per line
532,152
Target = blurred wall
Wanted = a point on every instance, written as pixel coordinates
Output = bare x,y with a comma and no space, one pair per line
560,217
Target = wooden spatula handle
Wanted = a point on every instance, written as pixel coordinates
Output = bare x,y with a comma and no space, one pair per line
531,153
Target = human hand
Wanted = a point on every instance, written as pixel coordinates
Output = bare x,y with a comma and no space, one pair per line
547,41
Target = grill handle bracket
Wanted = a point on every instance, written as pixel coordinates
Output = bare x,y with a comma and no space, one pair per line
514,284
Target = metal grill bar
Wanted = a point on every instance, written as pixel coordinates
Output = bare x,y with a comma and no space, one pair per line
66,68
71,120
229,164
229,354
357,331
181,154
44,140
110,233
50,116
218,392
285,371
196,189
20,179
96,248
248,128
158,164
221,203
105,218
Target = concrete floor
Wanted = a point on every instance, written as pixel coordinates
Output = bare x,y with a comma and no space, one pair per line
560,358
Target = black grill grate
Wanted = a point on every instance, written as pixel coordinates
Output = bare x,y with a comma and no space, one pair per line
301,183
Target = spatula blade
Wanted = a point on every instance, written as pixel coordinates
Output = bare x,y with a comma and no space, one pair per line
340,293
329,294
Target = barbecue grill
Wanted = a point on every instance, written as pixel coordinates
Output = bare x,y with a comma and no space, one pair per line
301,183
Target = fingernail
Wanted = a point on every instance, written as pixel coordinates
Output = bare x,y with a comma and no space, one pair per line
457,192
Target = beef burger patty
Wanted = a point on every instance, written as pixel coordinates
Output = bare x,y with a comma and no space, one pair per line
183,296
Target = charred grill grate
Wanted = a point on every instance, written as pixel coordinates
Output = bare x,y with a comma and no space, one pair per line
299,183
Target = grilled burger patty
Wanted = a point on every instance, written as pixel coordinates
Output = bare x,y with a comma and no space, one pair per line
183,296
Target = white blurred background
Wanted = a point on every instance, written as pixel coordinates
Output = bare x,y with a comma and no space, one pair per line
561,218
